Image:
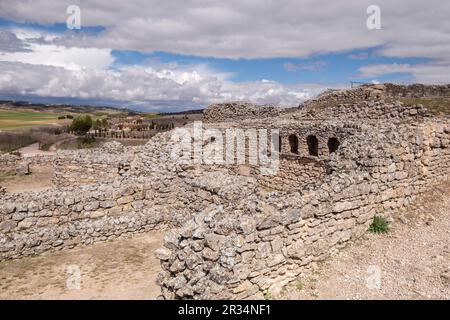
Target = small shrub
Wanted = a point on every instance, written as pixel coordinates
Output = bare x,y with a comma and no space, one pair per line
267,295
379,225
299,285
85,143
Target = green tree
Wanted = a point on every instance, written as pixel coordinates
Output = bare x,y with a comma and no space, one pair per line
97,125
81,124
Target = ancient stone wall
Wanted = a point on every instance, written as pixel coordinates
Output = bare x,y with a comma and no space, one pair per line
262,241
417,90
9,161
40,160
367,110
234,111
294,173
370,94
95,165
155,194
31,223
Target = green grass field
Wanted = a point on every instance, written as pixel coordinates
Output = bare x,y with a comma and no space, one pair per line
10,119
25,119
435,105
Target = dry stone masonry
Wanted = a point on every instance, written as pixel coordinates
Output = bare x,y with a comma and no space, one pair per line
233,232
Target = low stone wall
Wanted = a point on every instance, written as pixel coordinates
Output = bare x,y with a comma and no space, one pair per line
31,223
79,167
40,160
417,90
9,161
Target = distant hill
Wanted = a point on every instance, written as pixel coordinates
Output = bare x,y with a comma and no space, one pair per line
64,108
197,111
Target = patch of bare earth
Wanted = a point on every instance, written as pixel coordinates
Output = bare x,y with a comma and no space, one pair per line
39,179
413,259
120,269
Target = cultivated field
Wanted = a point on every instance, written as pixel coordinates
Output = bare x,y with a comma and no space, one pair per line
10,119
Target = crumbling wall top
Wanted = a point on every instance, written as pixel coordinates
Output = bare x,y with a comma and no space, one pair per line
238,110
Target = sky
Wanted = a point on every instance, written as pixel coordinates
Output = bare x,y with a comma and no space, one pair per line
166,55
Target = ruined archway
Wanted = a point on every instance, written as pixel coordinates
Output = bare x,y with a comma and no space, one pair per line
293,143
313,145
333,144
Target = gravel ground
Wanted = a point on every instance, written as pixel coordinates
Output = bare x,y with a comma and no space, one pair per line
119,269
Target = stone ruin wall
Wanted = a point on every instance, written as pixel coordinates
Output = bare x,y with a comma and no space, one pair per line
294,174
155,194
417,90
9,161
31,223
21,165
262,241
367,110
235,111
64,217
105,164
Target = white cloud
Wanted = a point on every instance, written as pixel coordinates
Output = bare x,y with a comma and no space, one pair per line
144,84
60,56
309,66
76,64
51,70
428,73
251,29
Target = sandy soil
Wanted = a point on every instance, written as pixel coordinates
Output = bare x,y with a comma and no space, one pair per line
412,261
39,179
119,269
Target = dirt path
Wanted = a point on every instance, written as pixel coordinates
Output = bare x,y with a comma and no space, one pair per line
412,260
56,146
119,269
33,150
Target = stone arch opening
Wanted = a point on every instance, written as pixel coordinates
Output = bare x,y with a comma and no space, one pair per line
333,144
313,145
293,143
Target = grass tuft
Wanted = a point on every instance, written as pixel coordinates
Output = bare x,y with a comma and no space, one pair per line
379,225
